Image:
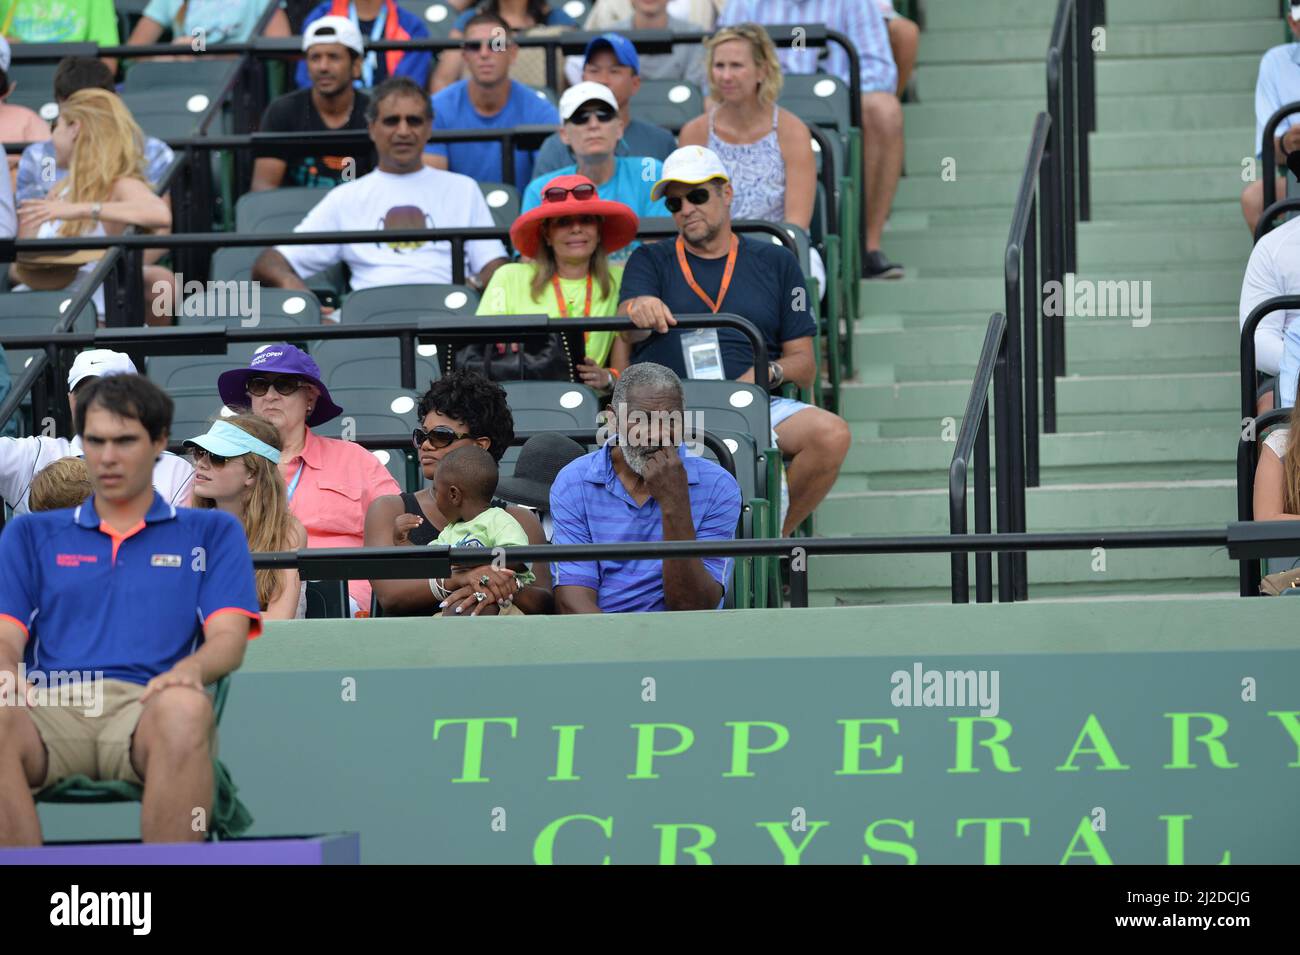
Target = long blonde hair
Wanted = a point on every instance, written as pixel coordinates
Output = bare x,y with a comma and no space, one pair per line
1291,466
267,522
544,265
109,147
764,52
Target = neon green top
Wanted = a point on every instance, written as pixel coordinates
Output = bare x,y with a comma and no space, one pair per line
508,293
493,527
60,21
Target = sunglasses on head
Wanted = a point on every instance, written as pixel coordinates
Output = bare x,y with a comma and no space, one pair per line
582,192
260,386
696,197
439,437
413,120
197,454
602,113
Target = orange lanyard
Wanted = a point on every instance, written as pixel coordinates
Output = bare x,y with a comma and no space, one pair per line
559,297
726,273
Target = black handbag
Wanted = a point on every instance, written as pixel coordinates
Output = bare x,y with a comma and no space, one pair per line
552,357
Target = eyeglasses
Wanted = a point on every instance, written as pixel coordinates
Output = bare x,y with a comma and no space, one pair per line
414,120
260,386
582,192
602,113
439,437
696,197
198,454
568,222
492,43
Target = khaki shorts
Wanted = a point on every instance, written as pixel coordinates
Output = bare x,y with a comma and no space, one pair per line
89,732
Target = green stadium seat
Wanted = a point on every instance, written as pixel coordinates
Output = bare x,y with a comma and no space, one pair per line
503,200
189,373
372,409
275,210
668,103
195,409
33,87
547,94
577,9
370,362
731,406
551,405
409,303
34,313
235,264
170,114
275,306
817,98
206,74
437,16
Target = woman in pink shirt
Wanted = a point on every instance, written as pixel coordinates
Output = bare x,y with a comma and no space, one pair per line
330,482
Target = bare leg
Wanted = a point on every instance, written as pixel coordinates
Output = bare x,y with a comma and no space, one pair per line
905,41
171,752
882,159
22,765
817,443
159,288
1252,201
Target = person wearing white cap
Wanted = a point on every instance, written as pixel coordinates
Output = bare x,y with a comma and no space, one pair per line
1278,84
592,129
335,52
711,268
229,21
21,459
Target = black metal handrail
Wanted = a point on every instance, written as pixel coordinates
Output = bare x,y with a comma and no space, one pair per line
974,437
1247,461
1249,376
1268,156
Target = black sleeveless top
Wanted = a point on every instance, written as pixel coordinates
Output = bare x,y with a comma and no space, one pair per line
426,533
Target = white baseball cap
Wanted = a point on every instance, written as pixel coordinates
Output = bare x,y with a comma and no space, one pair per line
333,30
1295,11
98,363
5,55
690,164
585,92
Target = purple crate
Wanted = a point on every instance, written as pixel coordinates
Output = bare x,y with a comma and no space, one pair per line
337,849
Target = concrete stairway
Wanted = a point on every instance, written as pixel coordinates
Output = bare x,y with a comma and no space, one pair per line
1147,415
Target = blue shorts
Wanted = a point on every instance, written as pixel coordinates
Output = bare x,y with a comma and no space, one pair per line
783,408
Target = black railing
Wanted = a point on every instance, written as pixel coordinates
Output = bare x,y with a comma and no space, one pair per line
974,438
1268,156
1249,370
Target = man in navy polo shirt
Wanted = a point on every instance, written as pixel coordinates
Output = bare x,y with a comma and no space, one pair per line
645,487
137,602
711,268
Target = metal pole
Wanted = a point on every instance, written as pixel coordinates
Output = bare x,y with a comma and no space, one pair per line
1032,303
1049,274
983,559
1002,441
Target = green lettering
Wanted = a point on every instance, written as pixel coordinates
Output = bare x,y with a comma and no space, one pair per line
564,754
645,746
888,845
544,846
964,759
741,750
853,747
1100,748
1180,756
1093,848
471,771
1175,839
668,842
780,833
992,835
1290,720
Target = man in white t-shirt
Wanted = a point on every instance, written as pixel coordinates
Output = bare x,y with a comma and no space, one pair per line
402,193
1273,270
21,459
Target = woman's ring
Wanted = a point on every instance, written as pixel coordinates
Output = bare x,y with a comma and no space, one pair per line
479,596
484,580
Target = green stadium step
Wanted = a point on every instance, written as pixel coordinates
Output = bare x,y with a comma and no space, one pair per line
945,15
928,403
878,464
1176,111
1158,149
959,120
926,578
1211,211
1163,39
969,317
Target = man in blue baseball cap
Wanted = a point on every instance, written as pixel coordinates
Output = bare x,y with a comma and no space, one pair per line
612,61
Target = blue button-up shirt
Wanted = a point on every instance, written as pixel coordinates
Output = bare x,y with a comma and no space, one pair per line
860,20
37,161
1278,85
129,605
590,505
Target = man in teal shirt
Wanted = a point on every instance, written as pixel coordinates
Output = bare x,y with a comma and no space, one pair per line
592,128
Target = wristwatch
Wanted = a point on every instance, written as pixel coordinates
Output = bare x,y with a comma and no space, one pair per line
95,208
775,374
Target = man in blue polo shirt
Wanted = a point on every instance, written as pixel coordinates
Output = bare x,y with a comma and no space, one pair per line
643,487
139,604
711,268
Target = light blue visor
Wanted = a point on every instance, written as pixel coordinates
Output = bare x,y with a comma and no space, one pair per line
228,441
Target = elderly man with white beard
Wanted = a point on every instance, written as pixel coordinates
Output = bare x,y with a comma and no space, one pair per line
643,485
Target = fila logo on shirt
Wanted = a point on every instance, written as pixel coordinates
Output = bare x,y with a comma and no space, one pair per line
165,560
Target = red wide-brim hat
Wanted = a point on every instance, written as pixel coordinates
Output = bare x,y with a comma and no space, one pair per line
617,228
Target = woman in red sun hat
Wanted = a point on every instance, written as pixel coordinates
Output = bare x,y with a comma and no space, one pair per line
568,238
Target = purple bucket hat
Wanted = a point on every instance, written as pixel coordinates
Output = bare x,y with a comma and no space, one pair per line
279,359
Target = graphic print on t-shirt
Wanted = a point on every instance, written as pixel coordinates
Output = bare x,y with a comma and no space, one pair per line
405,217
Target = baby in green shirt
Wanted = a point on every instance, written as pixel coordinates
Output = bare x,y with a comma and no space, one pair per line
463,489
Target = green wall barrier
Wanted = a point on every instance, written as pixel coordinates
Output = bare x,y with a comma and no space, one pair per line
1104,732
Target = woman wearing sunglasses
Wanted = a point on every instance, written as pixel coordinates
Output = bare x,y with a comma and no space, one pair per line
460,409
235,471
329,483
568,238
766,149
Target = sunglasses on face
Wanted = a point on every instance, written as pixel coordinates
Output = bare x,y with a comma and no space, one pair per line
476,46
696,197
260,386
439,437
568,222
582,192
414,120
197,455
602,113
